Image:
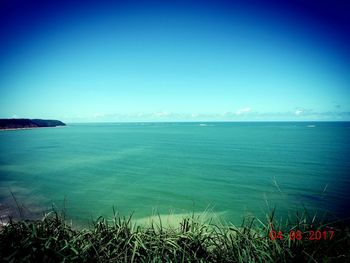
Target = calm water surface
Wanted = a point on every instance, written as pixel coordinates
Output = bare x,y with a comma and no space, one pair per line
231,168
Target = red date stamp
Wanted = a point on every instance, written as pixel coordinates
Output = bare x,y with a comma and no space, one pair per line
299,235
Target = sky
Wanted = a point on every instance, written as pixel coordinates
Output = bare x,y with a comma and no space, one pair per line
175,61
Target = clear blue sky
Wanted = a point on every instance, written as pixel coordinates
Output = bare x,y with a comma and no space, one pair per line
190,61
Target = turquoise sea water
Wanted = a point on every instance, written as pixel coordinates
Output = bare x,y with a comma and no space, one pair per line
231,168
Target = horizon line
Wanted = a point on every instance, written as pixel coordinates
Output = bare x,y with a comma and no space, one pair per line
240,121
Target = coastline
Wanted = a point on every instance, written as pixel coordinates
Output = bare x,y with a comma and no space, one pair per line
27,128
24,124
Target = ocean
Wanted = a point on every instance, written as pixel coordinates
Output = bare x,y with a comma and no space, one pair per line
224,169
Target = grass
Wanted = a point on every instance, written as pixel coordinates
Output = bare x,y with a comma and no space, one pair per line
52,239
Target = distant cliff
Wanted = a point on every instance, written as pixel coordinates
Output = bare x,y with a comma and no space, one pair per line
28,123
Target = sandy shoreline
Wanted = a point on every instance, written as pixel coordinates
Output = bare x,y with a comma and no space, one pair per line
28,128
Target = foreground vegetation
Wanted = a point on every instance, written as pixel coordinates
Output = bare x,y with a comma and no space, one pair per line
53,239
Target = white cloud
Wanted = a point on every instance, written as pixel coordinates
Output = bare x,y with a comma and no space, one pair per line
99,115
241,114
299,112
161,114
243,110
